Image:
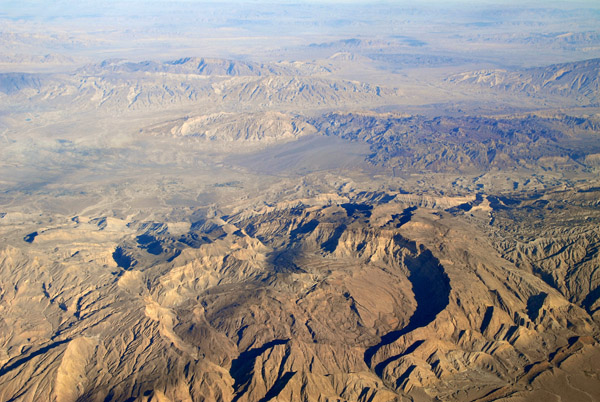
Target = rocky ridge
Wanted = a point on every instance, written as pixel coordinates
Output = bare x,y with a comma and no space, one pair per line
348,301
579,81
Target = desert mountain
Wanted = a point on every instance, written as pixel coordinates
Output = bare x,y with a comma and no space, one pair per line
118,85
338,202
11,83
579,81
475,144
191,65
341,300
260,128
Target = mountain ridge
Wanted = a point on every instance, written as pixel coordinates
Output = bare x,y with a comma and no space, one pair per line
579,80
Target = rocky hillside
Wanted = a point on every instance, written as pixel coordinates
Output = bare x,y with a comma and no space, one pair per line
579,81
468,144
117,86
189,65
258,128
303,301
555,236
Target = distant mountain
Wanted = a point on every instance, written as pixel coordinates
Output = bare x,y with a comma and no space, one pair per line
354,43
578,80
407,60
51,58
395,53
11,83
192,65
552,39
119,85
301,91
465,144
267,127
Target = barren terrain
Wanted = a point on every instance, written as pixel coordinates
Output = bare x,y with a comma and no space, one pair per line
260,203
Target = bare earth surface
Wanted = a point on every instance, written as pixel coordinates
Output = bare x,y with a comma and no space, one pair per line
302,210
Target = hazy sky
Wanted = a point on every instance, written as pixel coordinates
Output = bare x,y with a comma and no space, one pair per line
145,28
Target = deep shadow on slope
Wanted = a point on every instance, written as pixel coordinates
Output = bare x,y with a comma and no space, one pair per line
242,368
431,288
22,360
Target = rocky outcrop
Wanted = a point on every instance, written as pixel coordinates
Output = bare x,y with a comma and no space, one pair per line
466,144
563,249
578,80
256,128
